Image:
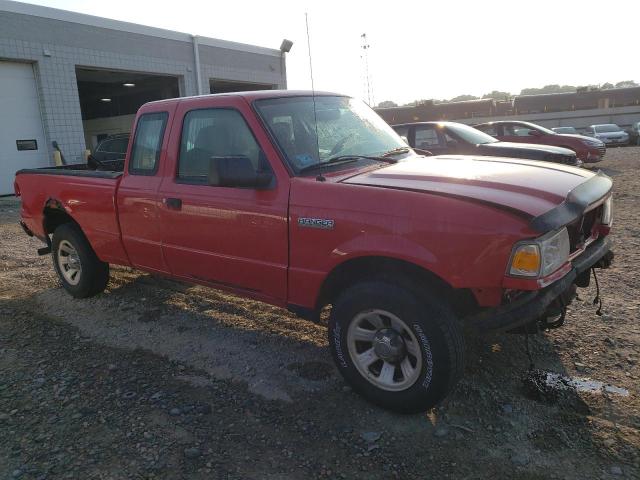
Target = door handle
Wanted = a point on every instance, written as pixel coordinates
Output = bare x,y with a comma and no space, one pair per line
173,203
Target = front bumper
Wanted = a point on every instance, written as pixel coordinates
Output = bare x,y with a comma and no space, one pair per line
616,141
532,305
595,154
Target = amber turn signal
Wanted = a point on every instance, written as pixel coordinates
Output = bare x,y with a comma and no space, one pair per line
526,261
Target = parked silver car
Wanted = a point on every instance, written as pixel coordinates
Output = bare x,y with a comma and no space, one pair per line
634,133
609,133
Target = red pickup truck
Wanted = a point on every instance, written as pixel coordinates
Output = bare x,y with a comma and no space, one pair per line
308,201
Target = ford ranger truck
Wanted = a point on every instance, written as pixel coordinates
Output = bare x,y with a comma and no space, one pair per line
307,201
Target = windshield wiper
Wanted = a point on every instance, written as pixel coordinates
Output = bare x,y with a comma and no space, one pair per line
342,159
396,151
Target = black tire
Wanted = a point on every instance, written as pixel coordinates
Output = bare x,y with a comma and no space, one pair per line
94,274
437,331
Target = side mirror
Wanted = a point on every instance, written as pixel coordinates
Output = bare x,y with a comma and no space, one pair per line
452,144
535,133
237,171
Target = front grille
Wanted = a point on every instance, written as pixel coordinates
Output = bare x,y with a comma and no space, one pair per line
583,228
602,149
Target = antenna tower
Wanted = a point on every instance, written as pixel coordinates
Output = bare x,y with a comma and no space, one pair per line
367,77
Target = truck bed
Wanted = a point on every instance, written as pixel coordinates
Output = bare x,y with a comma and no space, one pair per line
87,196
78,170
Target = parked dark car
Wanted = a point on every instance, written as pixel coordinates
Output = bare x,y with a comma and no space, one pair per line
114,147
442,138
588,149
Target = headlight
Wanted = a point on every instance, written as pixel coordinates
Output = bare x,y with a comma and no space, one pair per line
593,143
540,257
607,212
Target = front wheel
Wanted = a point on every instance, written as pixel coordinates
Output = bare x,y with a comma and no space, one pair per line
81,272
401,350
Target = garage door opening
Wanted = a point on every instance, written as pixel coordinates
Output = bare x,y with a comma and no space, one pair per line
230,86
110,99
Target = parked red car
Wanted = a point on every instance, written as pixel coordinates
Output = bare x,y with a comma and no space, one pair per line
308,201
588,149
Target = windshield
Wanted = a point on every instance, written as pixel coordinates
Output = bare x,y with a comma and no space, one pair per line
345,126
607,128
533,126
469,134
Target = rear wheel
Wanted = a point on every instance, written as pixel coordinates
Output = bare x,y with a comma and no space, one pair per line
81,272
399,349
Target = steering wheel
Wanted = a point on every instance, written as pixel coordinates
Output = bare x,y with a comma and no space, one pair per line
340,145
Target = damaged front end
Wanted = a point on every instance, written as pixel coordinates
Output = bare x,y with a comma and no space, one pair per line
555,314
530,308
543,273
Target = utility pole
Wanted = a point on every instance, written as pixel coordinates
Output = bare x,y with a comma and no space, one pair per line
365,57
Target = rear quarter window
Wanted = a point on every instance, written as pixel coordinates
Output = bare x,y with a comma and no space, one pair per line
118,145
147,143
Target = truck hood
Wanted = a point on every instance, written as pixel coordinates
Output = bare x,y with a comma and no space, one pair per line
526,187
584,138
533,147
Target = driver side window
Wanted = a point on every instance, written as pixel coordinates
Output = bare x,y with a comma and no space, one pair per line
516,130
213,139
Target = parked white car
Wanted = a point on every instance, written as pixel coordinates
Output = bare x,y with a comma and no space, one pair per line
609,133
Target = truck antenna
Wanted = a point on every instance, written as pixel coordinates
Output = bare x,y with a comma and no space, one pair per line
320,176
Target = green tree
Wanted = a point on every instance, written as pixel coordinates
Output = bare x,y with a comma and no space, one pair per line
423,101
627,83
553,88
498,95
387,104
463,98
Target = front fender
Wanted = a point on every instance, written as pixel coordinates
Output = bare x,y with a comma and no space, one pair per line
386,245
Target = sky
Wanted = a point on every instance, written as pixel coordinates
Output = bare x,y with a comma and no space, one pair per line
418,49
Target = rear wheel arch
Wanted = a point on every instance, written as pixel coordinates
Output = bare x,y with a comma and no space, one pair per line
55,215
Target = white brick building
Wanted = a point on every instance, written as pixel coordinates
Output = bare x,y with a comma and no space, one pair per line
74,78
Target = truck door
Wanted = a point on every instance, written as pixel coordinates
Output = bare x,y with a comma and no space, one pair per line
137,197
231,237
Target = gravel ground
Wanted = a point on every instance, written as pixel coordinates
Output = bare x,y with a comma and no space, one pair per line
155,379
